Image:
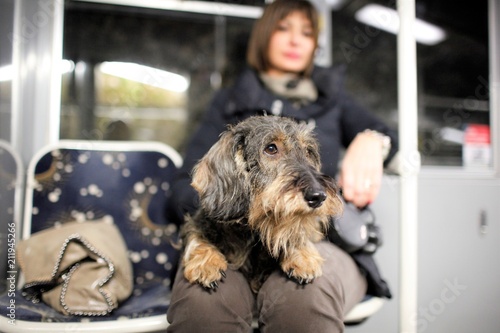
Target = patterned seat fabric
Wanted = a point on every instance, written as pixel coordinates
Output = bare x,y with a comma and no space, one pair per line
131,187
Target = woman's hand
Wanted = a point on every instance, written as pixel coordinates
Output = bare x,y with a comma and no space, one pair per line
361,170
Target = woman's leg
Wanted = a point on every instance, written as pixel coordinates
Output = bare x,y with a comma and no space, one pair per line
227,309
286,306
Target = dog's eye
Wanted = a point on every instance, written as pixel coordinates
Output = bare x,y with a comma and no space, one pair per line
271,149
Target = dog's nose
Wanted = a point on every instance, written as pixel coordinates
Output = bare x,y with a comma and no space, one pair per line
314,198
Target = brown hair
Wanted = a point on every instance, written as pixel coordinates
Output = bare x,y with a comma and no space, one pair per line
257,52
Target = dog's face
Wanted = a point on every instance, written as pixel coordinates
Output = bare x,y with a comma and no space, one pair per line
269,165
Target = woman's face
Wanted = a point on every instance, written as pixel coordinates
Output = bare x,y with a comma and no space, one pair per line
291,46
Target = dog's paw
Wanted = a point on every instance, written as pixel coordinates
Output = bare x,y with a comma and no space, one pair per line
205,265
303,265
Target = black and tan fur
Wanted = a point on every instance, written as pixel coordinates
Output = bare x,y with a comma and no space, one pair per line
263,202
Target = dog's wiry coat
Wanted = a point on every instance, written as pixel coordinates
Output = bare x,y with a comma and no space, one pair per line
263,202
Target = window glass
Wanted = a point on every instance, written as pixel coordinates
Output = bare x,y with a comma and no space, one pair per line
142,74
452,56
208,51
453,86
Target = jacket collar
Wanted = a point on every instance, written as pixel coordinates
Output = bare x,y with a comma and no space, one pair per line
249,95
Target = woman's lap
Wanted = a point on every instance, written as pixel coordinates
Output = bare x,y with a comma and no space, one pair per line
282,304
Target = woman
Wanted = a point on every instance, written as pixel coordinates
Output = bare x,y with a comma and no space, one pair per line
283,80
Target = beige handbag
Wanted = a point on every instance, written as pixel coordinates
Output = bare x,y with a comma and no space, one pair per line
78,268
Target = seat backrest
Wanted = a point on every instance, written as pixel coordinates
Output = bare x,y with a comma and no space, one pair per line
126,181
11,178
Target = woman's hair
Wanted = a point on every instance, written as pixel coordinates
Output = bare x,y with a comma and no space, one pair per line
257,52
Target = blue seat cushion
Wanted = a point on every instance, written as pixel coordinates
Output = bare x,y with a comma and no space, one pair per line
148,299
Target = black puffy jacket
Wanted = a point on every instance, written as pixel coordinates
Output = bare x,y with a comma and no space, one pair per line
338,118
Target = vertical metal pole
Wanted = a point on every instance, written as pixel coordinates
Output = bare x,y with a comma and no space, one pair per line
220,51
36,85
6,25
408,138
324,54
85,97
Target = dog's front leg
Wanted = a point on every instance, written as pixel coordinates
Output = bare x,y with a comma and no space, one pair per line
303,263
203,262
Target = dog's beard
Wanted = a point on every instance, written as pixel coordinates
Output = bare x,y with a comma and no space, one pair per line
284,220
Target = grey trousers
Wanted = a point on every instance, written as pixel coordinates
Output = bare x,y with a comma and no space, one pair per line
282,305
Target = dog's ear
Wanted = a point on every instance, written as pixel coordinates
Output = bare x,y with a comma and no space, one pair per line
219,178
